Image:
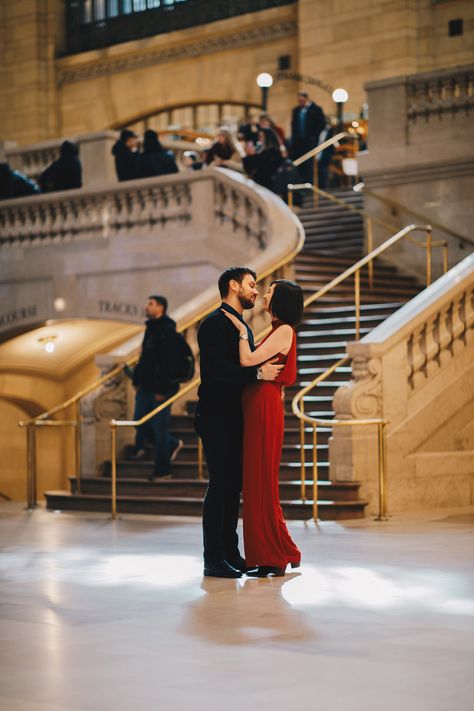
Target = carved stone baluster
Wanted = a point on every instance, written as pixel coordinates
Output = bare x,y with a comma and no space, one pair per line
432,348
419,357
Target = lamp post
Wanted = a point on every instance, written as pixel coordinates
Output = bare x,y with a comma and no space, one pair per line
264,81
340,96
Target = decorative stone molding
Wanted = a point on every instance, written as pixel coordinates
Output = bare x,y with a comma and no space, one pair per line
362,397
440,97
107,67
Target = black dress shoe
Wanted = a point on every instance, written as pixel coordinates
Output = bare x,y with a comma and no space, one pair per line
239,564
263,571
222,569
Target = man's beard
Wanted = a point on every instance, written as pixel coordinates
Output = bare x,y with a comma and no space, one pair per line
246,303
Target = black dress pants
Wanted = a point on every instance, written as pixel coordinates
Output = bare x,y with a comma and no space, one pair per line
222,442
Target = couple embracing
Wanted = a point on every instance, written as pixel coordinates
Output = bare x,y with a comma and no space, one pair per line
240,420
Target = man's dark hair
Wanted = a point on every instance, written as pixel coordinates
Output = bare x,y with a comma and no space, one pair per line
162,300
303,93
287,302
236,273
127,133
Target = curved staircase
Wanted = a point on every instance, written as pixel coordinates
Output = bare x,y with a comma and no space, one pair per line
334,241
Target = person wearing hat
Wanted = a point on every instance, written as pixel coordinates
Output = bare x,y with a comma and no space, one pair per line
126,156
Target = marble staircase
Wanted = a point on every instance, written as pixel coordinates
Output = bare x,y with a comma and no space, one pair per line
334,241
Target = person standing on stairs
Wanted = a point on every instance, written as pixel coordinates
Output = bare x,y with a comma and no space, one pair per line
218,419
307,122
154,383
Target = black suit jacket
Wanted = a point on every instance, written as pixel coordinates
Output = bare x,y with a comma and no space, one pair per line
314,124
222,376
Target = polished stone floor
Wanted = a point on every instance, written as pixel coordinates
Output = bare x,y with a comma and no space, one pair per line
98,615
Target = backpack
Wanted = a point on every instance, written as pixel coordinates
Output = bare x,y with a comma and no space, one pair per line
184,362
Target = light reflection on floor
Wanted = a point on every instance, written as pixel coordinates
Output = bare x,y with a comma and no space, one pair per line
102,616
346,586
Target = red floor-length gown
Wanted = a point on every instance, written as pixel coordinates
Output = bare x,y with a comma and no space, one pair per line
266,538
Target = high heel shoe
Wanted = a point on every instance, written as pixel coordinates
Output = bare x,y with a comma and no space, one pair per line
263,571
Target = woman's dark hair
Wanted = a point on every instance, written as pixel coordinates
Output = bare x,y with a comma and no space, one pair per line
287,302
151,142
236,273
271,139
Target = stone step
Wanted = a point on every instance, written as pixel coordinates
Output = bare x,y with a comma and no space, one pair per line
188,470
188,453
195,488
178,506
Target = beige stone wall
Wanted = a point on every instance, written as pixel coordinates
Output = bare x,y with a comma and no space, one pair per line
347,44
337,41
30,37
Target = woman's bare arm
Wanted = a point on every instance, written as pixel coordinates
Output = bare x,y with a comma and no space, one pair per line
278,342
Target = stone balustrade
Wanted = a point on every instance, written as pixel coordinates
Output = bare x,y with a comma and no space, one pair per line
95,153
421,155
440,95
102,251
417,371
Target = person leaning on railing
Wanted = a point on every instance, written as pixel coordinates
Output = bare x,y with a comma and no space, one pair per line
14,184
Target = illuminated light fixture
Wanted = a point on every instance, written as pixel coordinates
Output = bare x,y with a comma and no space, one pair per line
48,343
201,141
355,124
59,304
264,80
340,96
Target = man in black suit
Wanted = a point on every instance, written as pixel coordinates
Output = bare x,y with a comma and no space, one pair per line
218,420
307,122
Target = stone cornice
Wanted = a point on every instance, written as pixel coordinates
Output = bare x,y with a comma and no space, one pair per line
115,65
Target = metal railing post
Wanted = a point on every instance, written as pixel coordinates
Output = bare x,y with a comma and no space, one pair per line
302,456
315,473
357,303
445,258
429,237
370,247
78,446
382,461
290,199
113,439
200,460
31,473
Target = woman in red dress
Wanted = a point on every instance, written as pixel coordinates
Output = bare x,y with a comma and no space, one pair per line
268,545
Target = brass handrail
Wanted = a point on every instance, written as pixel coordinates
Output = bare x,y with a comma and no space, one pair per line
419,216
298,400
319,148
297,407
371,219
76,399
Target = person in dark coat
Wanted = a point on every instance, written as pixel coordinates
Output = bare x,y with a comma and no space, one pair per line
126,156
14,184
155,160
307,122
154,383
218,420
262,165
64,173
